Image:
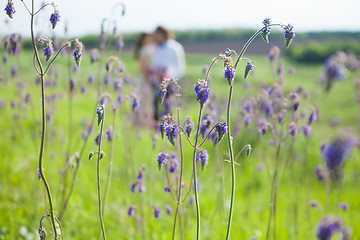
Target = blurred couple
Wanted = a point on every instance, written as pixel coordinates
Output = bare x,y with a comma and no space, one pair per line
159,56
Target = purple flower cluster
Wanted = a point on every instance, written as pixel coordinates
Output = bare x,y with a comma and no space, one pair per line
335,154
78,52
289,34
157,212
162,159
266,29
221,130
171,132
10,10
173,166
202,91
54,18
189,126
292,129
249,68
131,210
229,74
206,122
203,157
329,226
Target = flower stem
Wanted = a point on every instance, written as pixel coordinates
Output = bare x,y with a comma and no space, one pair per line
98,179
43,127
108,182
181,168
232,164
195,175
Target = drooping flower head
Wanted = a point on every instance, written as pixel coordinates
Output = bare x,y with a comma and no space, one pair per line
100,113
266,29
335,154
202,91
157,212
203,157
134,101
141,173
167,119
171,132
221,130
48,49
94,55
189,126
320,172
109,133
10,10
229,74
163,89
167,189
205,124
329,226
55,18
292,129
173,166
312,117
162,159
289,34
306,129
78,51
168,209
131,210
249,67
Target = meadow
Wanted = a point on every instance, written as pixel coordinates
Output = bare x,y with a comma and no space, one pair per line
303,199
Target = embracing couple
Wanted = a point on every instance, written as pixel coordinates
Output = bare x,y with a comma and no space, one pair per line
160,56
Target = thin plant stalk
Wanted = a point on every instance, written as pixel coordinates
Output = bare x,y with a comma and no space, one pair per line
195,175
108,182
229,138
181,168
98,178
43,125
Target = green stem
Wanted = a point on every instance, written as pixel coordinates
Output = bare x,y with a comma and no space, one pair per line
110,163
98,178
43,127
181,169
195,175
229,138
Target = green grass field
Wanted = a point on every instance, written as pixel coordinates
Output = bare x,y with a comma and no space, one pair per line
22,193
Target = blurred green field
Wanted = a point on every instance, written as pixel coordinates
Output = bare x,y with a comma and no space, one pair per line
22,193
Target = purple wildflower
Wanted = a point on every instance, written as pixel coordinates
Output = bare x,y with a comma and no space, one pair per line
266,29
14,70
229,74
202,91
10,10
168,209
141,173
344,206
173,167
247,119
328,227
335,153
306,129
94,55
292,129
157,212
133,187
289,34
203,157
221,130
109,133
268,108
91,79
249,68
131,210
312,117
167,189
206,122
314,203
54,18
171,132
48,51
263,126
162,159
78,51
107,79
320,172
83,89
189,126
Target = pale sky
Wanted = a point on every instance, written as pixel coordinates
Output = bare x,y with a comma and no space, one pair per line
84,16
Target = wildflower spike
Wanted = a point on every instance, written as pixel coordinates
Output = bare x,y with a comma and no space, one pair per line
249,67
289,34
266,29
